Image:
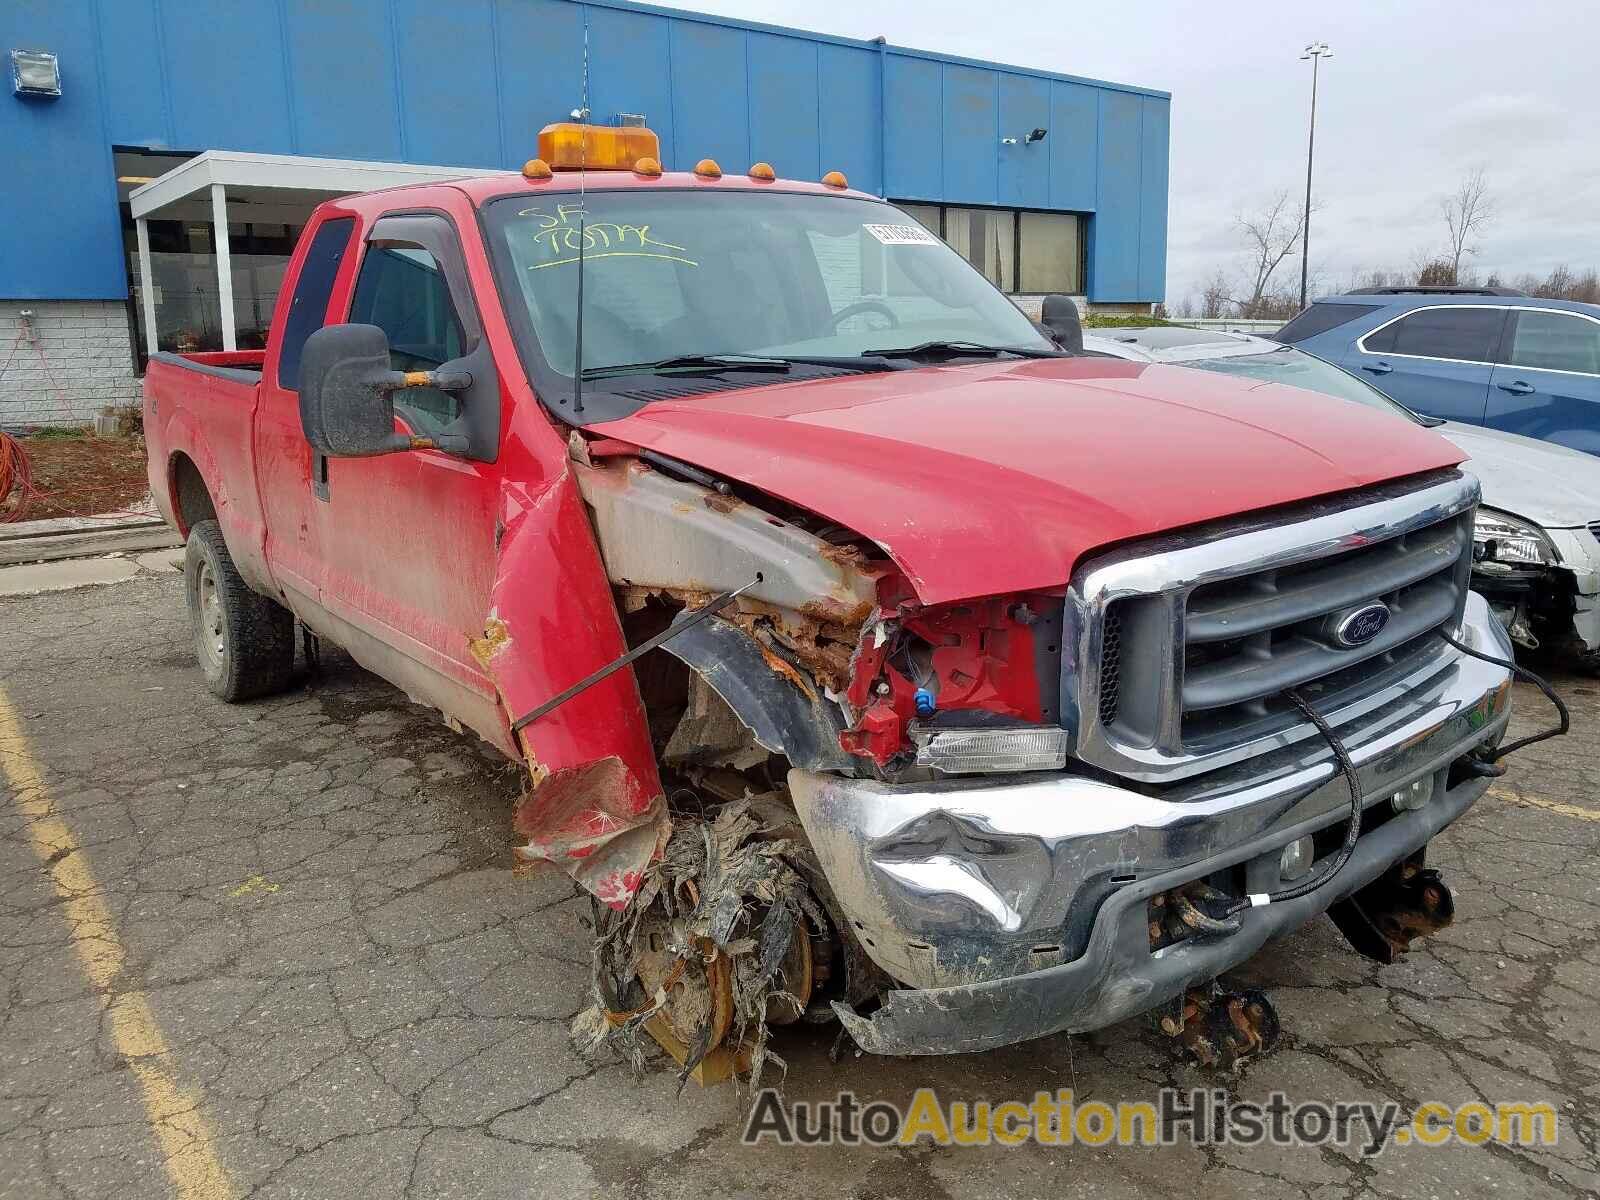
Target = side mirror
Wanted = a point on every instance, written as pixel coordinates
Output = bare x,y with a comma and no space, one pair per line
345,410
1059,316
347,393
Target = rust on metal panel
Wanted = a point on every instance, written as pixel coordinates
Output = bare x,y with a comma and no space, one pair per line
788,670
496,638
821,647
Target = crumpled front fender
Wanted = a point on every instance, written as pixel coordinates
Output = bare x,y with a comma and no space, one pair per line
594,803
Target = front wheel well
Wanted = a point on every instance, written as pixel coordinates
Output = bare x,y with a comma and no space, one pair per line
191,498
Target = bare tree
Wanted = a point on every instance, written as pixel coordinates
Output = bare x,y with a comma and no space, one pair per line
1270,236
1436,273
1214,298
1377,277
1466,212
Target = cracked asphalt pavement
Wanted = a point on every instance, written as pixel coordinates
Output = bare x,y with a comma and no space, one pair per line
299,920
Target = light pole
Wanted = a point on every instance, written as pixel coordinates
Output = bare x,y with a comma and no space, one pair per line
1316,52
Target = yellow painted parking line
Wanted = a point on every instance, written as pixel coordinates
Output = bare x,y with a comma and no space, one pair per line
187,1143
1566,810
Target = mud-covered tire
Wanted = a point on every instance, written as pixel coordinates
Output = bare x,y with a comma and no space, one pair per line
244,641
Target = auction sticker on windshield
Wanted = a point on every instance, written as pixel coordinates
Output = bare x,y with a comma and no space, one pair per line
902,235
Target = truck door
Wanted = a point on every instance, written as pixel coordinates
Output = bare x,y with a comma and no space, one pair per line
408,539
283,461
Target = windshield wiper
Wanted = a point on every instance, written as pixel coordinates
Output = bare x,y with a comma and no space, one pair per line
937,349
692,363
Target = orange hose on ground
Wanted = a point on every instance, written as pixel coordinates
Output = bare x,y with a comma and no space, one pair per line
15,475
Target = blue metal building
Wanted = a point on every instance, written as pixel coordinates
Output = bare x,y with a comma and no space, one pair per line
1048,182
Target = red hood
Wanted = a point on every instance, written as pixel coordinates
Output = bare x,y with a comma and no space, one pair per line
993,478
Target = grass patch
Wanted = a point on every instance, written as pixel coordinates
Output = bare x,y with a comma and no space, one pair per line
60,431
1123,321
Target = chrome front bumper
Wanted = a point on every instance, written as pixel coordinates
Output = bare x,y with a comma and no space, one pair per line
981,892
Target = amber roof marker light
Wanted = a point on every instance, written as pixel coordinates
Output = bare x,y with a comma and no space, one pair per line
647,168
763,172
707,168
536,170
835,179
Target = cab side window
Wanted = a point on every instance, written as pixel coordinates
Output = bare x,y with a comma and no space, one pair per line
402,290
1550,341
309,305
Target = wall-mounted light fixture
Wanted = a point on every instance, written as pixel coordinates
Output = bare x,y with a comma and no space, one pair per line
1034,135
35,73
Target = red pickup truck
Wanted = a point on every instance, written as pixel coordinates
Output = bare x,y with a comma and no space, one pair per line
970,688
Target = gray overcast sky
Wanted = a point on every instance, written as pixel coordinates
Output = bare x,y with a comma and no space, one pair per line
1416,94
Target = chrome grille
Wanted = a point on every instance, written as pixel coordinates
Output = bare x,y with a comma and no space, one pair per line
1190,640
1250,638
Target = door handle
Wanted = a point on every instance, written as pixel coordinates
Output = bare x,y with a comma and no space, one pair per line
1516,387
1379,368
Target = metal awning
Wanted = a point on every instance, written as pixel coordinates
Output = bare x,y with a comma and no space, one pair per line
278,187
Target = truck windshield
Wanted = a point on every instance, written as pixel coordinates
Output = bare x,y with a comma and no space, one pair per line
676,274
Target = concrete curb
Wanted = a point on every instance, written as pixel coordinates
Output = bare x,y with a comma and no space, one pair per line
33,578
87,543
139,517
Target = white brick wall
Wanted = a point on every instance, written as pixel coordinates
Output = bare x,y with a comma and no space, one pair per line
66,363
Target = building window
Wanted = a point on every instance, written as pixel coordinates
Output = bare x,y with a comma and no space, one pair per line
1052,253
986,238
927,214
1018,252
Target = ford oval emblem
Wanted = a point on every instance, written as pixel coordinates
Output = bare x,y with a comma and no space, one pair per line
1360,625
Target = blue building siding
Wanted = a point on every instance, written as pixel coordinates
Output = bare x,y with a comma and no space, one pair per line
470,83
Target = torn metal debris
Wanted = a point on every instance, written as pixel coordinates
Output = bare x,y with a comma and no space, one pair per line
708,942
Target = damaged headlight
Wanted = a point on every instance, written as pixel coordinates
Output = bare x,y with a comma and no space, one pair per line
1499,537
986,750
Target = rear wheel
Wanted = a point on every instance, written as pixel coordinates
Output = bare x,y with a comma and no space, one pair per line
244,641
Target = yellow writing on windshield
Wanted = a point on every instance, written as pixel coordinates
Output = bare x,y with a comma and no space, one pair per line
561,235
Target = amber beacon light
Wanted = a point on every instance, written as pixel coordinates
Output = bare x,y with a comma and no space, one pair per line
569,146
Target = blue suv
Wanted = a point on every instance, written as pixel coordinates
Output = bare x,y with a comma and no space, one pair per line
1489,356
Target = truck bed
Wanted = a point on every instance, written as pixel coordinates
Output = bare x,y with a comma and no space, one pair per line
241,365
199,412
